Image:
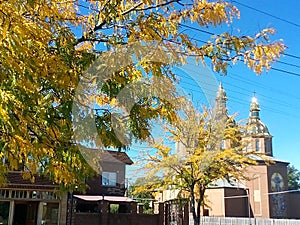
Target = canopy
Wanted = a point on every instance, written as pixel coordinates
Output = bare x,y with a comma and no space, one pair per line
105,198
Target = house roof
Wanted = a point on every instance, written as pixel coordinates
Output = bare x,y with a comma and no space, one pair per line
115,156
105,155
16,180
267,158
223,183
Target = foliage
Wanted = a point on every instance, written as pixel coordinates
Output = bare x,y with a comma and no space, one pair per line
114,208
203,159
145,197
293,178
46,45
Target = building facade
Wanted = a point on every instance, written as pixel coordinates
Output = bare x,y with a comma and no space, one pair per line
25,203
265,194
105,193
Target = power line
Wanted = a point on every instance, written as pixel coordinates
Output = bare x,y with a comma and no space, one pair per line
211,33
266,13
292,56
197,29
241,101
240,78
288,64
285,71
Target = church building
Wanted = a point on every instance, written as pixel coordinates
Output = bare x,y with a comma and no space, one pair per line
265,194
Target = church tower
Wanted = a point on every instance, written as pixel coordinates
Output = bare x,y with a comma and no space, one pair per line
257,133
220,101
266,181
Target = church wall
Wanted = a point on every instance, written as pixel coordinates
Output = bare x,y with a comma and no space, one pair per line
215,201
278,183
258,189
236,197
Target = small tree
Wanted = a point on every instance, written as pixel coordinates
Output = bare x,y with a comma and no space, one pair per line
293,178
145,197
204,159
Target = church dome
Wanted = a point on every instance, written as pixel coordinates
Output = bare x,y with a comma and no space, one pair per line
254,125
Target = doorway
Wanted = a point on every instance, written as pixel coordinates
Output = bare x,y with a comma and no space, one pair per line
25,213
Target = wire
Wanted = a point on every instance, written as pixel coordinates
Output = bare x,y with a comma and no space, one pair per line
268,14
211,33
288,64
284,71
235,99
292,56
272,68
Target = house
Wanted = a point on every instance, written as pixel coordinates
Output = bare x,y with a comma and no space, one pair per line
25,203
107,189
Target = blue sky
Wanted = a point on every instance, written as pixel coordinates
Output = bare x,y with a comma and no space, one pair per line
278,93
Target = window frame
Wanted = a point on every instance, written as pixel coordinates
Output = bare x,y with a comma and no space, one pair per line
111,177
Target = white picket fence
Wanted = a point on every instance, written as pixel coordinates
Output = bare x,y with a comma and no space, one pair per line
244,221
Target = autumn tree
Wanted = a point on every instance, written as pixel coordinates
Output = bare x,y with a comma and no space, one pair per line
145,197
211,149
46,48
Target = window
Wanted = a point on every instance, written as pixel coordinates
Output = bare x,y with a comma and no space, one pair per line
4,212
257,145
50,213
223,144
109,178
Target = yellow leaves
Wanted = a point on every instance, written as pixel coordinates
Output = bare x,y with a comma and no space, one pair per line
163,150
261,56
102,100
206,13
41,54
85,46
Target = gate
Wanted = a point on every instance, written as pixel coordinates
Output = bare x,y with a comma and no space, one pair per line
176,212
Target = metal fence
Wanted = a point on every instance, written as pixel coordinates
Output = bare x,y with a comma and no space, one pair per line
243,221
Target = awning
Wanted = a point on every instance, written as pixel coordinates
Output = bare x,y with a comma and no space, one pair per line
105,198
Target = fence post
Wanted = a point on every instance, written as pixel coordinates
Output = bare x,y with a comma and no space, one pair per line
134,211
167,213
161,213
104,211
140,208
186,214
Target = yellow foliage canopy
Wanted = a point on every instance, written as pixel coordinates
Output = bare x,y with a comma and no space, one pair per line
45,47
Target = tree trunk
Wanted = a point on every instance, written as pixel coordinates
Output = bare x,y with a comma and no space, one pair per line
199,204
193,205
